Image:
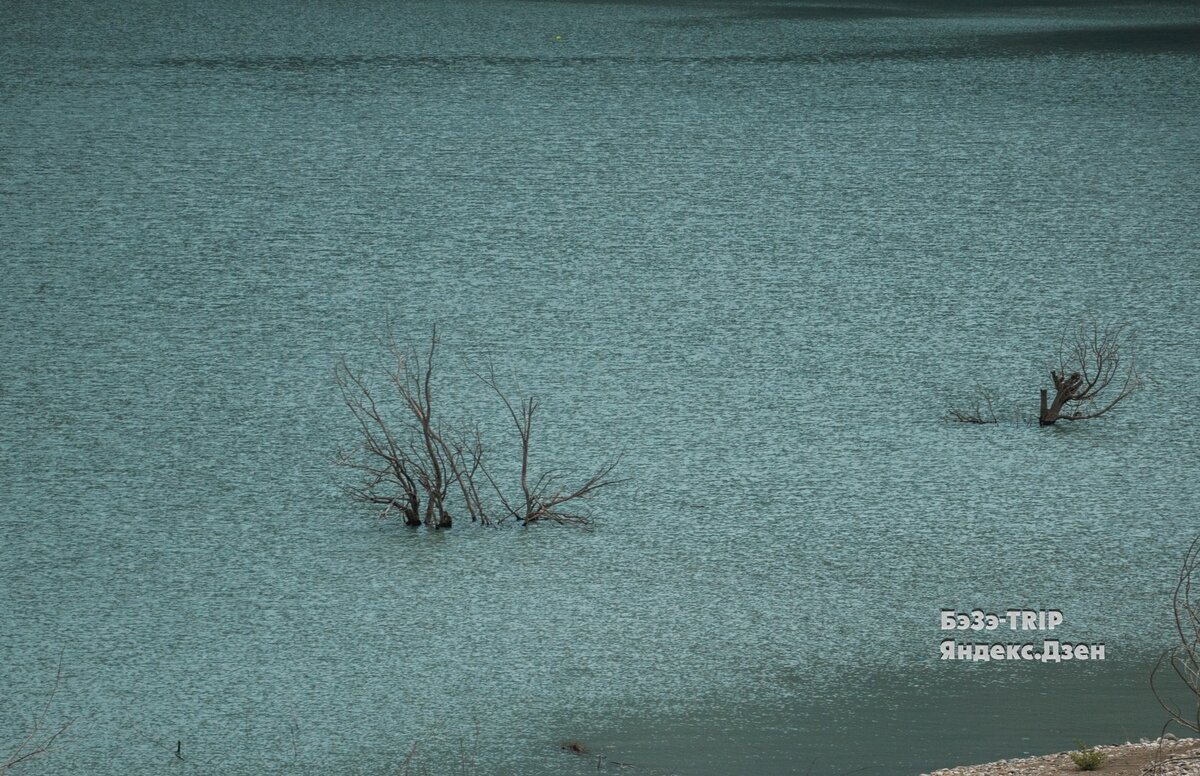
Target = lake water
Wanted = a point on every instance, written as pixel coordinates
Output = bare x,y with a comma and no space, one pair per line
759,248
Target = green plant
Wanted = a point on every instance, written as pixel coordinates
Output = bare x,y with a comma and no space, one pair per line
1087,758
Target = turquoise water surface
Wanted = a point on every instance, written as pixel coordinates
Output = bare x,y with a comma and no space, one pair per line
758,248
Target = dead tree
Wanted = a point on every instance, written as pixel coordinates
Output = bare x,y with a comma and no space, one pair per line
415,462
38,738
542,497
1097,369
388,469
1184,657
980,408
418,466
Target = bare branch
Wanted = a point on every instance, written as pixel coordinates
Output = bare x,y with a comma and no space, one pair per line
399,461
36,743
1089,362
1184,657
980,408
539,501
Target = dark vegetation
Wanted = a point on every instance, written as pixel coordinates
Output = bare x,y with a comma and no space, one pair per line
1096,369
414,464
1183,658
40,735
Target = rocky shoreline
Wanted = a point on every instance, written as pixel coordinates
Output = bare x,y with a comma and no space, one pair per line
1165,757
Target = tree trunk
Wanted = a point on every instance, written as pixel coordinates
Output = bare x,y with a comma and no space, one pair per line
1065,389
412,512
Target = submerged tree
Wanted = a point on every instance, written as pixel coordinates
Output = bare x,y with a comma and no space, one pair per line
979,408
542,497
1097,369
1184,657
39,737
417,465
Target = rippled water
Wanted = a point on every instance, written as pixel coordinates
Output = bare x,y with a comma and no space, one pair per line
757,247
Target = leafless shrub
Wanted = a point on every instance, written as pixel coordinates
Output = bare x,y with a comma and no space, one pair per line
1164,763
413,462
1184,657
1091,361
418,466
980,407
1096,370
542,497
39,737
